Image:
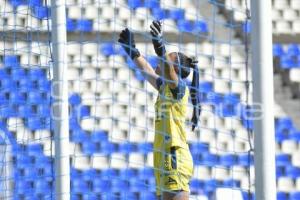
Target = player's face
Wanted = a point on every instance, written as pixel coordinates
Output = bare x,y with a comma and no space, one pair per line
173,58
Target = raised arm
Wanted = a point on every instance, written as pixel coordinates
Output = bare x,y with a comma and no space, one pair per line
127,41
168,70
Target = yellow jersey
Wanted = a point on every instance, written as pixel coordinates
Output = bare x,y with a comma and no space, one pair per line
170,115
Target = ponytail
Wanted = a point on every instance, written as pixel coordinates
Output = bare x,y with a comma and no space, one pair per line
194,92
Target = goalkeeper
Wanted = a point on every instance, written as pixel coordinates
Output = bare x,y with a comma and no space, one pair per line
173,164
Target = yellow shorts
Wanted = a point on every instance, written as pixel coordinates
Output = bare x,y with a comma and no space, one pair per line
173,170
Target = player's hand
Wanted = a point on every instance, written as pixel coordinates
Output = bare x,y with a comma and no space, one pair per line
157,39
127,41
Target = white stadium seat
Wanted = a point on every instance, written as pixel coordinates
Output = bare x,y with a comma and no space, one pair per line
228,194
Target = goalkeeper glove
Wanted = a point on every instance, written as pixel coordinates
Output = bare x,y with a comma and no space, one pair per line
127,41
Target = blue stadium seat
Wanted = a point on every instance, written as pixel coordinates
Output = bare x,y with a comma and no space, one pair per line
23,161
281,135
99,136
130,63
176,14
283,160
293,50
294,195
109,196
30,173
283,123
160,14
84,25
33,3
89,148
133,4
4,73
109,173
108,49
288,62
4,98
90,196
75,99
79,136
90,174
43,110
25,85
127,173
34,97
101,185
8,111
25,111
277,50
81,111
37,123
185,26
44,85
23,187
47,173
35,150
7,85
43,162
18,73
75,196
78,186
145,148
148,196
199,147
231,183
145,173
280,172
127,148
244,160
196,186
119,185
210,185
139,76
107,147
154,62
74,124
295,135
128,195
138,185
152,4
71,25
214,98
42,187
228,160
41,12
36,74
209,159
200,27
16,97
282,196
292,172
11,61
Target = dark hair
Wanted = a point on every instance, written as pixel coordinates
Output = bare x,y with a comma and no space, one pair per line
184,64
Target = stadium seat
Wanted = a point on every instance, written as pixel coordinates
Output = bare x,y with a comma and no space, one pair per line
84,25
7,85
127,148
129,195
43,162
210,185
4,73
277,50
283,160
11,61
196,186
160,14
44,85
209,159
138,185
101,185
89,148
18,73
293,50
200,27
152,4
23,187
199,147
294,195
292,172
25,85
109,173
36,74
145,173
23,161
42,187
176,14
99,136
79,136
231,183
126,174
75,99
81,111
228,160
37,123
107,147
135,3
148,196
30,174
119,185
294,135
71,25
41,12
90,196
35,150
282,196
79,186
25,111
108,49
43,110
16,97
145,148
280,172
185,26
33,3
244,160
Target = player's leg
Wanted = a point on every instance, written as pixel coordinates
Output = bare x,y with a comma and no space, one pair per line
175,195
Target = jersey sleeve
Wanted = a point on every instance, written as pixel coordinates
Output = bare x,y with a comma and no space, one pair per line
179,91
159,82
